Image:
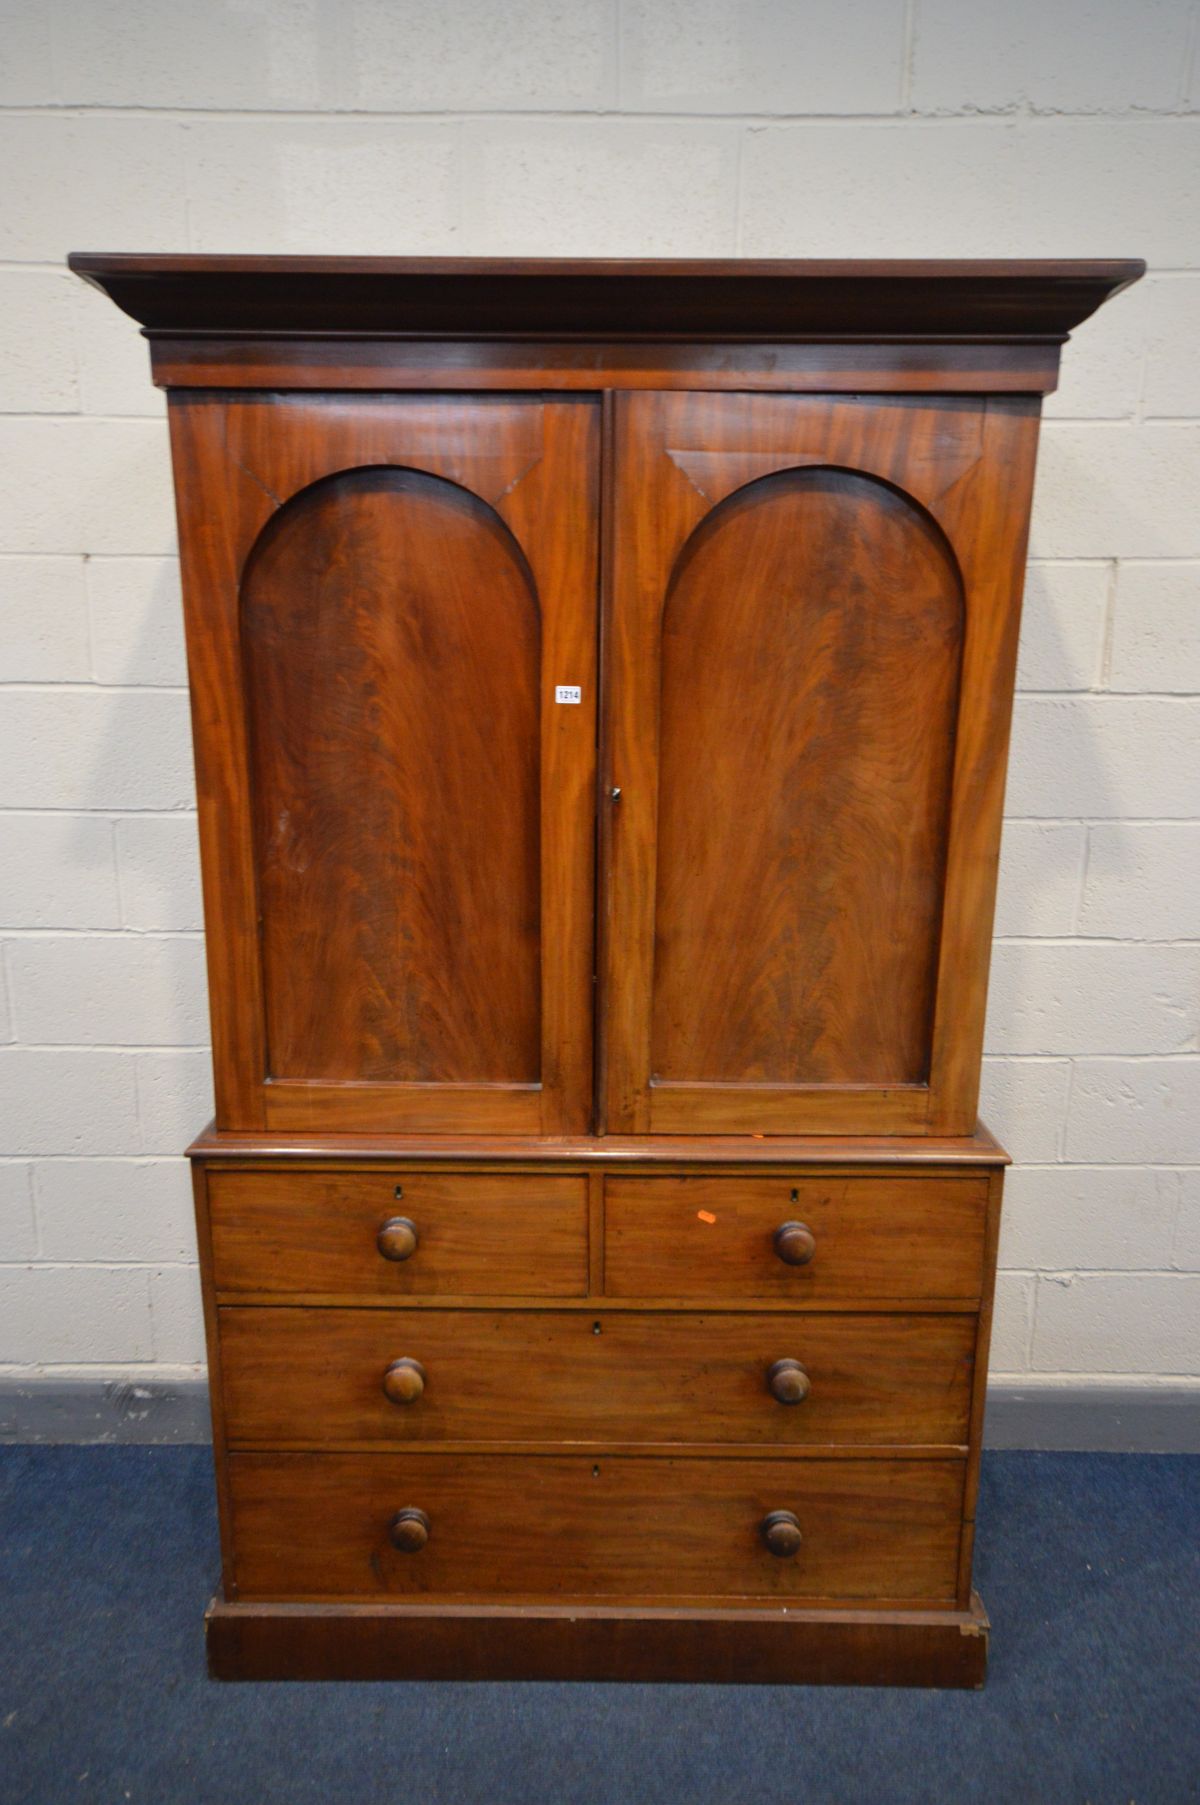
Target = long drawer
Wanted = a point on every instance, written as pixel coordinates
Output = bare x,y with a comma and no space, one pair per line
321,1376
416,1525
831,1240
381,1234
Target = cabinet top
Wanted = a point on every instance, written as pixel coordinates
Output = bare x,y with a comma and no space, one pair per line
640,298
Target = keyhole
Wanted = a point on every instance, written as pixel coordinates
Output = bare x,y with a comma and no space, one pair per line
596,1327
399,1192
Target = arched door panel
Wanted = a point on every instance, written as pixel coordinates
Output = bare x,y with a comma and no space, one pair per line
811,643
392,650
812,635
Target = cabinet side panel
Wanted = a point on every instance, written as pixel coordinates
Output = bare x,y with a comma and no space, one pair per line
207,551
983,1348
216,1381
992,537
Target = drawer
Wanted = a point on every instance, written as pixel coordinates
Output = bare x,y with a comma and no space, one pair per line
475,1234
879,1238
316,1377
322,1525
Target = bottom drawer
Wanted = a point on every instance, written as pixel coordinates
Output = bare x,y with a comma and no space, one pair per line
321,1526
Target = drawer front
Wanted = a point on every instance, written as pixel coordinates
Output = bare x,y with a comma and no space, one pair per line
321,1525
318,1377
502,1235
869,1238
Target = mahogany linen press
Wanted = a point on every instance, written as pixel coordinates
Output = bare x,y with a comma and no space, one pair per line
601,677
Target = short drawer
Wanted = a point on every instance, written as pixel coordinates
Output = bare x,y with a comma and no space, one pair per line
491,1526
826,1240
318,1377
447,1233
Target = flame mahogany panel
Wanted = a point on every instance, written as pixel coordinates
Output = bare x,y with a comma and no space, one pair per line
811,643
392,646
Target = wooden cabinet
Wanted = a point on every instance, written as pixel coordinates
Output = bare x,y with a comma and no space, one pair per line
601,680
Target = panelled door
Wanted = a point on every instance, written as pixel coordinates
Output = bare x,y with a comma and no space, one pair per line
813,608
392,627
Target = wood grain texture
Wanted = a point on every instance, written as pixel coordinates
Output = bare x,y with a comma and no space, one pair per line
300,1377
634,297
994,534
903,1238
216,1388
517,1301
685,1151
983,1341
209,561
308,1105
811,638
861,588
393,654
493,1234
944,366
316,1525
426,524
762,1645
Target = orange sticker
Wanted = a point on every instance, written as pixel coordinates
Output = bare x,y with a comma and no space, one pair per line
706,1215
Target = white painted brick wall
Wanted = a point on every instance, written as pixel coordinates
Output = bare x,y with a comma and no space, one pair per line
18,1225
136,621
107,990
882,127
1140,1322
1156,625
1141,880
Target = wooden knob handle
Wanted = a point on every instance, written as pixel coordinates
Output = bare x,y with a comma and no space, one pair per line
788,1382
780,1530
397,1239
795,1244
409,1530
404,1381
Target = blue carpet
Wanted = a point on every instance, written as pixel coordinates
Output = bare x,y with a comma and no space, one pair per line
1088,1563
